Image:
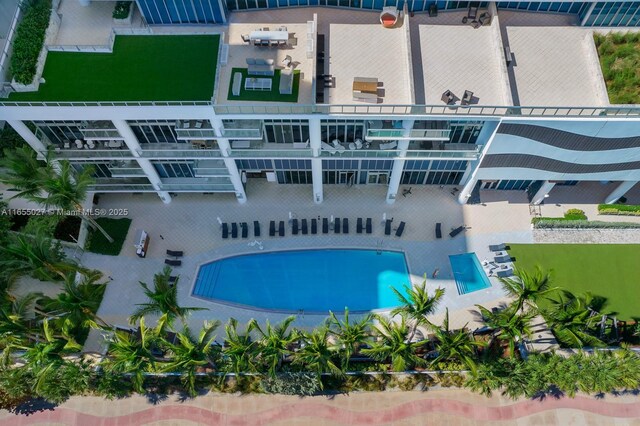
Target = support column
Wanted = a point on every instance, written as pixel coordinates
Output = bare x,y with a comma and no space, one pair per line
588,14
543,192
465,194
26,134
230,163
132,143
398,163
315,135
622,189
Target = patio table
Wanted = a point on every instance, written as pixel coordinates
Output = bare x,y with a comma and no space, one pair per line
263,84
269,35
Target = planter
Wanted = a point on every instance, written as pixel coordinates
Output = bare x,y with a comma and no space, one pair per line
124,21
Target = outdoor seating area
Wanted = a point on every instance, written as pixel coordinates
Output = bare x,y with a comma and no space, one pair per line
265,37
365,89
90,144
502,264
449,98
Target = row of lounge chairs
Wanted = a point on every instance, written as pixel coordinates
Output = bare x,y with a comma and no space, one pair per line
175,254
244,229
399,230
501,262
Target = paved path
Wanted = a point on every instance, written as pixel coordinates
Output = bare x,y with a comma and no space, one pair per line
444,406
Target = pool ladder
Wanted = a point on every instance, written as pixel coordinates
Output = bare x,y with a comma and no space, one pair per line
379,245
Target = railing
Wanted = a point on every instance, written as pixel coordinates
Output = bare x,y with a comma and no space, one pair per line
198,187
449,155
101,134
122,188
242,133
415,134
181,153
127,172
195,133
280,153
80,48
361,153
92,153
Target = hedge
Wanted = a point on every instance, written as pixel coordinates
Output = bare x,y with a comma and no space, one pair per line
29,40
569,215
619,209
549,223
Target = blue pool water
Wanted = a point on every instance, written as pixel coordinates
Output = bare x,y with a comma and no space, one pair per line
308,280
468,273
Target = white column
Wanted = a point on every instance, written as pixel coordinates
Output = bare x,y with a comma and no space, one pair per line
588,14
26,134
543,192
465,194
132,143
315,140
398,163
622,189
225,149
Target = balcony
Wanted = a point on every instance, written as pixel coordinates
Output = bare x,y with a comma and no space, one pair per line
195,134
415,134
210,168
220,184
126,169
267,153
137,184
83,154
179,150
99,130
242,129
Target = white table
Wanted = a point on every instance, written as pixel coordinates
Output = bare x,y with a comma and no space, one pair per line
262,84
269,35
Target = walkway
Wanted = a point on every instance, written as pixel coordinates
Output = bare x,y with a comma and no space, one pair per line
442,406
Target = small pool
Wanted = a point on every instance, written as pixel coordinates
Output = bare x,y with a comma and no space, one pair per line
468,273
313,281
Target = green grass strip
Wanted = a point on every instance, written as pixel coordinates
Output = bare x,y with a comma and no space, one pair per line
116,228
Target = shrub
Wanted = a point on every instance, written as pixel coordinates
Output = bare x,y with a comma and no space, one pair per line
292,384
29,40
619,209
575,214
549,223
121,11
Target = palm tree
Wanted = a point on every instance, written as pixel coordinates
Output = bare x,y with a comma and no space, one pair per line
52,184
528,288
394,344
317,354
509,326
571,318
163,300
239,351
350,336
77,305
455,344
274,342
417,304
17,325
191,353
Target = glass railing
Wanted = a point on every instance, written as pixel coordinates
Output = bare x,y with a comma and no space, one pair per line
242,133
195,133
127,172
181,153
280,153
197,187
122,188
101,134
448,155
92,153
361,153
415,134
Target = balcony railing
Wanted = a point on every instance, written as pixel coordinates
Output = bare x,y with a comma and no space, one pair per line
101,134
443,155
103,154
250,134
198,187
210,168
181,153
415,134
127,172
135,184
361,153
195,134
265,153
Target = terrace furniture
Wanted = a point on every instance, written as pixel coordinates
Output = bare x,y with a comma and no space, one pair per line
503,259
325,225
389,16
115,144
90,145
256,228
234,230
237,84
365,85
485,18
406,192
325,146
225,231
466,98
66,145
281,228
175,253
282,28
259,66
400,229
503,273
287,61
368,226
286,82
433,10
141,243
365,97
438,230
78,143
173,279
172,262
258,84
456,231
345,225
294,226
246,38
359,226
498,247
198,124
508,58
305,229
265,35
389,145
448,97
336,226
329,81
272,228
387,227
314,226
245,229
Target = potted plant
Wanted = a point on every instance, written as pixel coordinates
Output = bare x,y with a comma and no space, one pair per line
122,12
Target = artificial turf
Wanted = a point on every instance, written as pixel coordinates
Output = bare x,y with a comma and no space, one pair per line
140,68
116,228
608,270
262,95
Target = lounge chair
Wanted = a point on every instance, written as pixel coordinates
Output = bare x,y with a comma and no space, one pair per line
387,227
336,226
272,228
294,226
173,279
400,229
234,230
256,228
438,230
456,231
172,262
345,225
245,229
314,226
503,273
503,259
175,253
281,228
305,229
369,228
498,247
359,226
225,231
325,225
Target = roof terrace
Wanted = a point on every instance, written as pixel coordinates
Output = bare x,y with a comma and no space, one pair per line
140,68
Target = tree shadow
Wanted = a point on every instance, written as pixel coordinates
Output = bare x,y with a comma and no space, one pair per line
553,392
34,405
156,398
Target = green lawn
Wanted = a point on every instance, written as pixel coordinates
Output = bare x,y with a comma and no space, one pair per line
141,68
609,270
619,55
264,96
116,228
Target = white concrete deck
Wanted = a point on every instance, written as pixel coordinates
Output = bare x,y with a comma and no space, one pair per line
556,66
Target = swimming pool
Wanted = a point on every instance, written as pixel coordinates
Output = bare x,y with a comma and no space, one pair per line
314,281
468,273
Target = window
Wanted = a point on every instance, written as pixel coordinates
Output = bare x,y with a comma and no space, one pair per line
155,131
286,131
